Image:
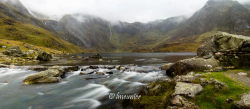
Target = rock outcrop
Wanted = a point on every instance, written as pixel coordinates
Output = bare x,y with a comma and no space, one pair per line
14,51
220,49
229,49
194,64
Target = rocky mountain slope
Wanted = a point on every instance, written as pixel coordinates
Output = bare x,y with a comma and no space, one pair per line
17,24
172,34
167,35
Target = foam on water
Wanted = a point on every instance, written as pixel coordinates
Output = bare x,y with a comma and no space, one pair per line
98,91
8,71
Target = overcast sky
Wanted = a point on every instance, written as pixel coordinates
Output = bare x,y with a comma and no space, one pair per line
124,10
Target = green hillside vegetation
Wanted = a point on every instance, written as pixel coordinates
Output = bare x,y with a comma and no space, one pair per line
17,31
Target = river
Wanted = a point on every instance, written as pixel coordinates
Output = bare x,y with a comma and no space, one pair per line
84,91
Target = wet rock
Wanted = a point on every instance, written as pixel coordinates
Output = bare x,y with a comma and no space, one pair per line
44,56
52,75
187,89
109,73
48,76
93,67
244,103
14,51
87,72
193,64
183,103
166,66
229,100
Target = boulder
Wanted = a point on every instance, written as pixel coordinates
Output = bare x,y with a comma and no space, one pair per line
187,89
193,64
244,103
14,51
48,76
44,56
183,103
229,49
52,75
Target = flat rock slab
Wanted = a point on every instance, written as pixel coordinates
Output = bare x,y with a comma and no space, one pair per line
187,89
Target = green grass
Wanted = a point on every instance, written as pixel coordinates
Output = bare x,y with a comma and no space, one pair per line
210,98
157,97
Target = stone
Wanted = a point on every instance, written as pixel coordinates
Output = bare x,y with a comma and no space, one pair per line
244,103
4,66
242,74
183,103
166,66
14,51
193,64
44,56
93,67
187,89
87,72
48,76
52,75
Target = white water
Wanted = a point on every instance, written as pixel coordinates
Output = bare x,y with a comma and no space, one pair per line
74,92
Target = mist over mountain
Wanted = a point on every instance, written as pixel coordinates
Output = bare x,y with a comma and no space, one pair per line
92,32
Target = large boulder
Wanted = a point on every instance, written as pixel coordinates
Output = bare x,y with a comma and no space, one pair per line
48,76
52,75
44,56
14,51
182,67
229,49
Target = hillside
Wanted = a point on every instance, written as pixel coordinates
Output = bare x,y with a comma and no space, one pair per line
17,25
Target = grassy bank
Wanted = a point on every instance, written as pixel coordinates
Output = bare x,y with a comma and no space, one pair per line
158,94
211,98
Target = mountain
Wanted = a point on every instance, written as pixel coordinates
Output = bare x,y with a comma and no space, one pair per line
17,24
166,35
217,15
83,30
99,34
220,15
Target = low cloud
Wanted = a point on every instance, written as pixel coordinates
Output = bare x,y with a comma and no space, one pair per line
115,10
